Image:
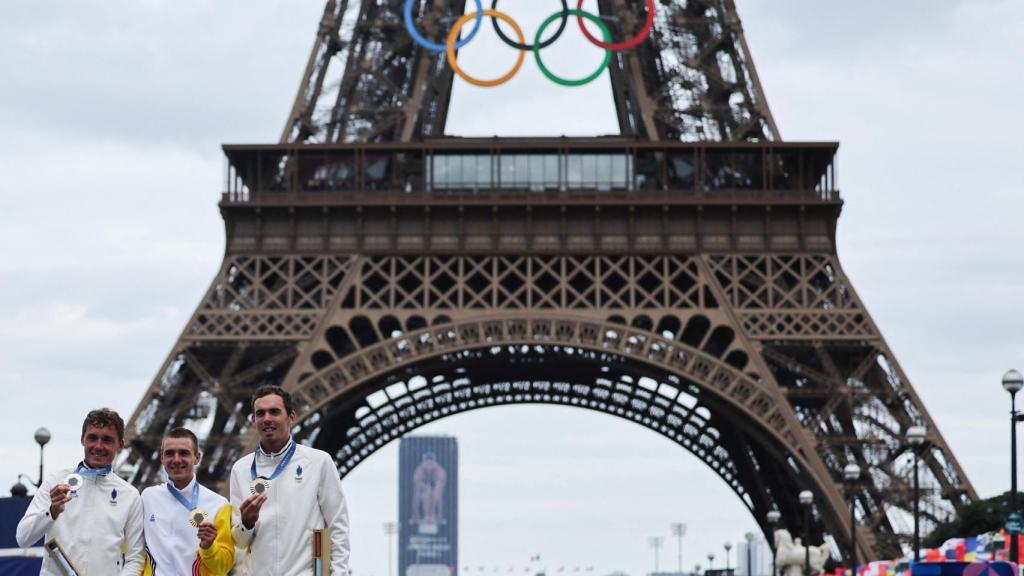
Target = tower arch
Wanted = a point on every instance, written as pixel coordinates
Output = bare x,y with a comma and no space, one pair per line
723,416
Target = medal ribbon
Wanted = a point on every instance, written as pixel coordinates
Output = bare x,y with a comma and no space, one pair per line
189,505
83,470
280,467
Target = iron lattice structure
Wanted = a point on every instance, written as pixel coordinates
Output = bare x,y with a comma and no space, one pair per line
683,277
367,81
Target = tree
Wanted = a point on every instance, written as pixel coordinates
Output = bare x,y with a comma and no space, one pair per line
979,517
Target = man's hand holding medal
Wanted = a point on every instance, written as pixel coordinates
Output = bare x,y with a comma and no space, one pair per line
250,508
59,496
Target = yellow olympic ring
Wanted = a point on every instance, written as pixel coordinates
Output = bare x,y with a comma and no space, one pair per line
454,35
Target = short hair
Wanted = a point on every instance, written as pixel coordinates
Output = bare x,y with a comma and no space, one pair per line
267,390
103,417
181,432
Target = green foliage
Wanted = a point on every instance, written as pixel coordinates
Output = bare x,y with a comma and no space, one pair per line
976,518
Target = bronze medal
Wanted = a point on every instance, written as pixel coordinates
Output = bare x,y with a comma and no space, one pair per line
259,486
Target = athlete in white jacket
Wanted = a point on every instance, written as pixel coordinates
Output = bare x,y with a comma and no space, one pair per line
99,525
188,526
303,494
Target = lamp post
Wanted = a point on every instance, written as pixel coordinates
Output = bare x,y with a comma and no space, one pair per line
749,536
851,473
711,561
1013,381
679,530
915,436
773,520
42,438
807,500
696,569
728,547
390,528
655,542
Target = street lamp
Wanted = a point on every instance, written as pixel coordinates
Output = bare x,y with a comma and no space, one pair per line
851,473
915,436
750,540
711,561
1013,381
390,528
696,569
807,500
42,437
728,547
773,520
679,530
655,542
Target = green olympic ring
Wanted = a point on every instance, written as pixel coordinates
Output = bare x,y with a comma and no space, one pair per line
588,79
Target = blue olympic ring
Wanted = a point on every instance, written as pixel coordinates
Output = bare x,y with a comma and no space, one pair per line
434,46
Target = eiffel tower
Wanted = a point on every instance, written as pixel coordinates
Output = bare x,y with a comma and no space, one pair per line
682,275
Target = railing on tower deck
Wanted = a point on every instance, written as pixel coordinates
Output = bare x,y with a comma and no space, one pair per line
533,170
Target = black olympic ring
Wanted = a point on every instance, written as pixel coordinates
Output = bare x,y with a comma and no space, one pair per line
512,43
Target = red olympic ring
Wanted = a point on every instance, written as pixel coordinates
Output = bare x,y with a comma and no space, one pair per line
624,45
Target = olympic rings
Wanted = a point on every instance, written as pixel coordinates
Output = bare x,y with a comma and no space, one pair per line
508,41
452,60
586,80
434,46
453,43
627,44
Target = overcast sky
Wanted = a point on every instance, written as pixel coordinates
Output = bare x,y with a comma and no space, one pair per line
111,117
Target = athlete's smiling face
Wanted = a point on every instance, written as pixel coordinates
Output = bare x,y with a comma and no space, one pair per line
101,445
180,459
272,421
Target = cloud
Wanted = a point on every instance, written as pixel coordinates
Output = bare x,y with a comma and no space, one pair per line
928,231
115,245
142,71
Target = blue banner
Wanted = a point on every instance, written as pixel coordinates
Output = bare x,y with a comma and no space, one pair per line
428,510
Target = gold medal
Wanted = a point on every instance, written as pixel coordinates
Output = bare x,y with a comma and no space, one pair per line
197,516
259,486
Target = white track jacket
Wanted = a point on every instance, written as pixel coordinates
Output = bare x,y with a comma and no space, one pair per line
95,526
306,496
171,541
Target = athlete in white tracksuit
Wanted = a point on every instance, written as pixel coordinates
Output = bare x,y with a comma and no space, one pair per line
179,541
171,541
304,495
98,524
104,516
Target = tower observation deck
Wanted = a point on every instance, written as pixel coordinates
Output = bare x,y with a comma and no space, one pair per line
539,195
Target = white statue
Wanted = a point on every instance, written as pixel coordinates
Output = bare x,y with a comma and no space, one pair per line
790,555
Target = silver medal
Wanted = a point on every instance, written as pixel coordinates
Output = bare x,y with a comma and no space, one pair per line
74,481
